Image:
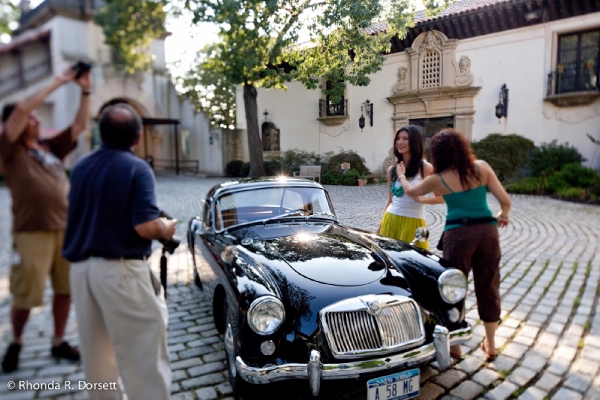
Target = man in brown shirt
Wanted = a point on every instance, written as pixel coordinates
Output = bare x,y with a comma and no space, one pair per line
39,187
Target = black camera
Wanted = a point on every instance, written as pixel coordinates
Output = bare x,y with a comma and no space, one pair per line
170,245
81,68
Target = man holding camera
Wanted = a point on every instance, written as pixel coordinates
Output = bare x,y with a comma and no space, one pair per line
38,184
113,218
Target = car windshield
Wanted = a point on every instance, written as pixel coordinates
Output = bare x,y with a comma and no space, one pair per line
270,203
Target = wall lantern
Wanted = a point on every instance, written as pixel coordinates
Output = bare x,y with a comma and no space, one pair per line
502,107
366,107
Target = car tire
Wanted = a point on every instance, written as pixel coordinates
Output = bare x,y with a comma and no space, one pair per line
242,388
219,309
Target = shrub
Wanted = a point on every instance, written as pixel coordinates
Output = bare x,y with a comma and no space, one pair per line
572,175
551,157
357,162
330,178
332,173
245,170
234,168
572,193
291,160
595,189
531,185
273,168
506,154
350,177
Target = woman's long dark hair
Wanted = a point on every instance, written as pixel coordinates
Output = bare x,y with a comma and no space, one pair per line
415,144
449,149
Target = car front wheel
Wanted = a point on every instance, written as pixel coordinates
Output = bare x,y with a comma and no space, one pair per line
239,386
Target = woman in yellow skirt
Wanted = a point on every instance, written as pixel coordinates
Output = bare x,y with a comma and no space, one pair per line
404,214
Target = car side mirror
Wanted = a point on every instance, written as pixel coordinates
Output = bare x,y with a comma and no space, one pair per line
421,235
194,228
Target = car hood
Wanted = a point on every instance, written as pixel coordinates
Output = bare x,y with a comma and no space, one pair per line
323,253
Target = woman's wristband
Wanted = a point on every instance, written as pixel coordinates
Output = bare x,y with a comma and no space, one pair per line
85,93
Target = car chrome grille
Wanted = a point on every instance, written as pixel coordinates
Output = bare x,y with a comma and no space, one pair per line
394,322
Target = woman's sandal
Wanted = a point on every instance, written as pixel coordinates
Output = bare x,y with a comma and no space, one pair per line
457,355
490,357
456,352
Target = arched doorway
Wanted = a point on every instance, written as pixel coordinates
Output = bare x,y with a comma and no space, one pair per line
151,146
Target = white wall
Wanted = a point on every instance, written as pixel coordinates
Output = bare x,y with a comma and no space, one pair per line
520,58
153,91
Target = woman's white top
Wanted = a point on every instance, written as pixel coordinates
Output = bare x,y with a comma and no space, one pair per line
404,206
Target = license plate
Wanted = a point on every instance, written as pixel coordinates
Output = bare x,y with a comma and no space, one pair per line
400,386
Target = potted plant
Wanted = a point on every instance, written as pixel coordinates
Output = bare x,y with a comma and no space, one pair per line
362,181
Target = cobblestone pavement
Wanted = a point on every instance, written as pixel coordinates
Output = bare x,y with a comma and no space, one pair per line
549,340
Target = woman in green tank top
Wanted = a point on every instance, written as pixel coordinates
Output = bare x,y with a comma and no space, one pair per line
471,234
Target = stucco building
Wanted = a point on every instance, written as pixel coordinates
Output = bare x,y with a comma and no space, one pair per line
451,71
59,32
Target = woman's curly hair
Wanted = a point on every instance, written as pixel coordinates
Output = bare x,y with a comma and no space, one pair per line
450,150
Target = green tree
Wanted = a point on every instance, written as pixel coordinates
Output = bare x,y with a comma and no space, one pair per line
9,12
258,43
209,90
129,27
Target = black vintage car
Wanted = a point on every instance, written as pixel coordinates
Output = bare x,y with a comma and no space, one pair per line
299,296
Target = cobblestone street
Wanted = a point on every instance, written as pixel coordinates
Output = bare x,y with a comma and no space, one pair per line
549,340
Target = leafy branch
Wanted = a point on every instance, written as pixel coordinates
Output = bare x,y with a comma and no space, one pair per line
9,13
130,26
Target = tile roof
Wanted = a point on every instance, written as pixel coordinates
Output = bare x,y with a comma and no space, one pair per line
455,8
458,7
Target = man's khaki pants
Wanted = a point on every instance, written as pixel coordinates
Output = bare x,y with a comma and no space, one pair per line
122,325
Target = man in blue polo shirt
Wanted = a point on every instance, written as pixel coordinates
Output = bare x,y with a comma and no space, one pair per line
113,218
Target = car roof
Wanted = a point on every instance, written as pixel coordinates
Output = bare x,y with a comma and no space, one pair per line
241,184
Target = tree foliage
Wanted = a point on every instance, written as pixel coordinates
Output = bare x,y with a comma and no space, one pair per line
209,89
259,44
9,12
129,27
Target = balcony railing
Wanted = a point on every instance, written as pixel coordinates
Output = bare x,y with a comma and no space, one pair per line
29,76
567,80
327,109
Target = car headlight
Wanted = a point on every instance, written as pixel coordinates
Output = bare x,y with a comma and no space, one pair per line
265,315
452,285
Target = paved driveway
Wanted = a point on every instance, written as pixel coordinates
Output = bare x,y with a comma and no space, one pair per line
549,340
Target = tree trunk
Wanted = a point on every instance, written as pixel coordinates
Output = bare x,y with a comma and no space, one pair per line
257,164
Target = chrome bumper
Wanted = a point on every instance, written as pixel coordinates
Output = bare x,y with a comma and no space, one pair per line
315,371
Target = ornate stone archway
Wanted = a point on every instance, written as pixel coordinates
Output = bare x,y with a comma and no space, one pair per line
434,84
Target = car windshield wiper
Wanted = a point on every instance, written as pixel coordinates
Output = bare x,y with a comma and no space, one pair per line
296,213
323,214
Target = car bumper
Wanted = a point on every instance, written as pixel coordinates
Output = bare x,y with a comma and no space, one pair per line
315,371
